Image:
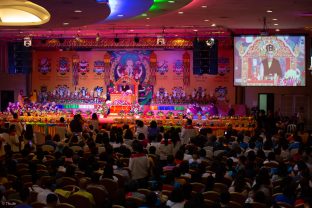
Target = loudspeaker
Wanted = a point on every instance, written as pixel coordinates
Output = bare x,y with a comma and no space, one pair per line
205,57
20,58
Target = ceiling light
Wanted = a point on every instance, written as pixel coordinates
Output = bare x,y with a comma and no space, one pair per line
148,18
171,2
206,20
144,14
274,19
195,30
213,25
102,1
269,11
131,30
275,24
204,6
120,15
65,23
277,30
147,25
22,13
180,12
77,11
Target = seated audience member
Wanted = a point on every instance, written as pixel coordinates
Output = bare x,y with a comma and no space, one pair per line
51,201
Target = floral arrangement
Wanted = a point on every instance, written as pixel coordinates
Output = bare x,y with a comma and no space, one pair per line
160,113
120,102
88,112
170,114
150,113
189,114
130,113
122,113
78,111
180,114
136,109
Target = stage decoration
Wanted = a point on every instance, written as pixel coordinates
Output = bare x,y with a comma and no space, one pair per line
75,70
83,67
170,114
153,68
136,109
162,67
186,69
110,43
178,67
63,66
133,64
160,114
107,66
180,115
98,67
44,65
221,93
150,113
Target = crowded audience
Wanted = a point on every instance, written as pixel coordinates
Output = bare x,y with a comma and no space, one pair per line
149,165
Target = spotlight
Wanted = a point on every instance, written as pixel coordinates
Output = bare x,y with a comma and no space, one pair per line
210,42
116,40
27,41
97,38
77,38
161,40
136,39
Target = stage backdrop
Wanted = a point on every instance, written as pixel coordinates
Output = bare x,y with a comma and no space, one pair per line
88,69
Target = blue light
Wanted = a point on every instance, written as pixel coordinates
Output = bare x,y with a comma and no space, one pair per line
102,1
121,9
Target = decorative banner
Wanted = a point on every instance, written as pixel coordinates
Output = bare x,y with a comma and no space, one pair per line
107,66
162,67
63,66
186,68
98,67
83,67
44,65
153,65
75,70
178,67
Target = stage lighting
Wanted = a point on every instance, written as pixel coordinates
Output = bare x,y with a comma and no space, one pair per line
116,40
97,38
210,42
27,41
136,39
161,40
77,38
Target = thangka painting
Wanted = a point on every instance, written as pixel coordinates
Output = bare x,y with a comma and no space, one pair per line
134,64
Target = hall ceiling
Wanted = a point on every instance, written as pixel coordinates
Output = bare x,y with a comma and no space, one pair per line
176,18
